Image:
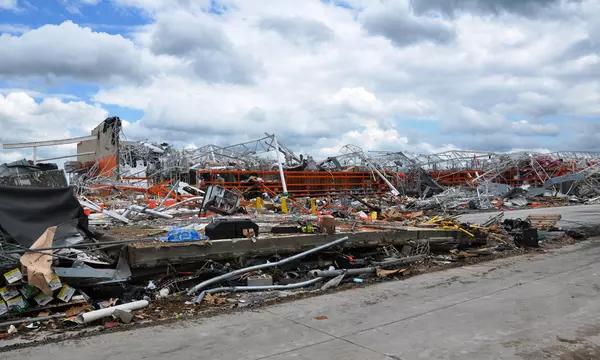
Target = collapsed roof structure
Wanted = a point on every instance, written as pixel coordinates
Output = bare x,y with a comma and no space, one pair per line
107,159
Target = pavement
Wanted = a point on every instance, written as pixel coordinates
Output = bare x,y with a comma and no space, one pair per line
534,306
572,216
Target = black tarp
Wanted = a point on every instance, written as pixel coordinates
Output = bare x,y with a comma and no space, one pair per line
24,167
24,173
26,212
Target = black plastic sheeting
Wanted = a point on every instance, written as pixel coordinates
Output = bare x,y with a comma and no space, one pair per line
24,173
26,212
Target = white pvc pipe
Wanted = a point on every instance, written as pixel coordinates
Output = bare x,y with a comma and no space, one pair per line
102,313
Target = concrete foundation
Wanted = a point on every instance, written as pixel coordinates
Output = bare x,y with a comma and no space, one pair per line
151,254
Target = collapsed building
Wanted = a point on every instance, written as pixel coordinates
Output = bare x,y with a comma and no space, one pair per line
143,165
141,220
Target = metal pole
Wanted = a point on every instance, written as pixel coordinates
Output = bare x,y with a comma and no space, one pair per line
29,319
393,190
338,272
237,272
279,161
34,155
162,201
199,298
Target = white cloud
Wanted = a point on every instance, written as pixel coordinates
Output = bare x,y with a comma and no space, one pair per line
526,128
8,5
69,50
298,30
384,75
396,22
26,119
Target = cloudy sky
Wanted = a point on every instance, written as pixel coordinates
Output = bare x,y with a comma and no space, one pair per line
420,75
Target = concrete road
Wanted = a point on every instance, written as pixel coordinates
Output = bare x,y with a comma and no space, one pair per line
572,216
542,306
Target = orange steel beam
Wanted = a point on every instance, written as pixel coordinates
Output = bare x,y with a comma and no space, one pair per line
299,183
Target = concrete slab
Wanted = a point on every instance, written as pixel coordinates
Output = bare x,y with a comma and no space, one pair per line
517,320
359,309
245,335
151,254
572,216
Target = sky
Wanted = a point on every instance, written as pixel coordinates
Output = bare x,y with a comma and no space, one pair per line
405,75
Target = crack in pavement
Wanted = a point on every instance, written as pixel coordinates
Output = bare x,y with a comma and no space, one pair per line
334,337
472,299
395,357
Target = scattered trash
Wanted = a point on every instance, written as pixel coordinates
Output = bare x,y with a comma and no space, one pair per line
333,282
182,235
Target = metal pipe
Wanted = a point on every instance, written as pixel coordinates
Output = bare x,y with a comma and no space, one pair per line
182,202
99,314
67,156
49,142
399,262
141,209
279,161
237,272
35,319
162,201
86,202
338,272
393,189
199,298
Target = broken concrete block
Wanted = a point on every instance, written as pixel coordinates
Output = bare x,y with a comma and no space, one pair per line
123,315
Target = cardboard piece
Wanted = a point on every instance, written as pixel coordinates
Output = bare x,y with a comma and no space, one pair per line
39,263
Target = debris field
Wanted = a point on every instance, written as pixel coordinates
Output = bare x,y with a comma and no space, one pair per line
133,232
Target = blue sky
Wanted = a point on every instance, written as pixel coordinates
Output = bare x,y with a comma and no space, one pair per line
103,15
417,76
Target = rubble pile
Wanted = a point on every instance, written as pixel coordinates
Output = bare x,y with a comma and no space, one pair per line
135,226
